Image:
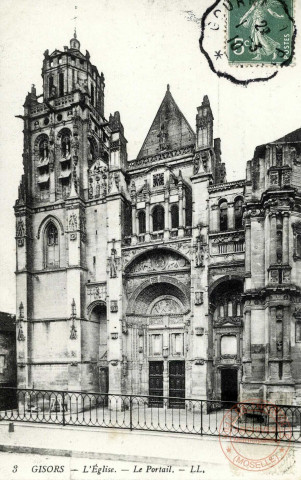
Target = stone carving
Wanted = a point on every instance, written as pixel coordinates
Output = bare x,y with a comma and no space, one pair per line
113,306
286,177
257,348
165,306
114,182
286,276
98,174
72,224
198,298
124,326
20,335
223,321
113,262
83,230
274,178
184,247
199,361
160,262
297,313
274,276
124,365
97,292
199,255
160,156
73,330
196,163
20,233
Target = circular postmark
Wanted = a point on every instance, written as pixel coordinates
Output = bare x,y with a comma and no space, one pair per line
260,435
248,41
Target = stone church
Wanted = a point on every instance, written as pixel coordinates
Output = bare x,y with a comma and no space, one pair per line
152,276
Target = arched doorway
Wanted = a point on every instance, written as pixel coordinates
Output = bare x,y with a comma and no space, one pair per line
99,315
226,337
158,310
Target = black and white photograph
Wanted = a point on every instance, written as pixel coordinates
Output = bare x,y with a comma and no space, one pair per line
150,239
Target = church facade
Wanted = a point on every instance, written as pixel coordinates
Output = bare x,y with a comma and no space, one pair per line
152,276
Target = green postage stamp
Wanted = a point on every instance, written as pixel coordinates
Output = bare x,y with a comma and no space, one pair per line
260,31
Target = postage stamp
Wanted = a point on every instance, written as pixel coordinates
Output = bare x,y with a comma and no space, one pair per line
260,436
260,31
247,41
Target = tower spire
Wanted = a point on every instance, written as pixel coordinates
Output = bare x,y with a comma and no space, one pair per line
74,43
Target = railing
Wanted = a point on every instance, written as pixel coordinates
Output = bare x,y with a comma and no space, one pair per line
260,421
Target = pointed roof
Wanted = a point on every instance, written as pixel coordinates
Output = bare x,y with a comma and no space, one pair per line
169,130
291,137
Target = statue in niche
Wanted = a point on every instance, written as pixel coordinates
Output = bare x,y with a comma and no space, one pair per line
113,262
72,222
196,164
53,91
199,255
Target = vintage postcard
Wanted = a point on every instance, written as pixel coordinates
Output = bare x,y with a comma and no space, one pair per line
150,254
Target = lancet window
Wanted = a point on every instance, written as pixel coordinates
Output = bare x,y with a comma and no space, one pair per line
51,246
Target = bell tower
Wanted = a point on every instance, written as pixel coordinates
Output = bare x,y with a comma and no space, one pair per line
61,231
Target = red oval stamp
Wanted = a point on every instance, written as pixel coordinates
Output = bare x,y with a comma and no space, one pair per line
260,435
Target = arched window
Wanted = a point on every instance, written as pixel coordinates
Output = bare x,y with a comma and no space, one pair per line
92,95
279,246
141,221
43,149
51,246
298,245
238,213
158,218
50,85
279,156
66,147
298,331
174,211
223,216
61,84
92,150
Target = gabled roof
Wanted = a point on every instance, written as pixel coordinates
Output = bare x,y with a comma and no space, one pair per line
292,137
169,130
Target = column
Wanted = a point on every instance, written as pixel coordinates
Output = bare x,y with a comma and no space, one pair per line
247,336
273,239
285,241
286,332
248,248
166,215
287,373
230,216
147,221
134,224
181,224
272,321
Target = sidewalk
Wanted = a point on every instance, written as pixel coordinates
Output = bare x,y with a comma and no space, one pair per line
182,452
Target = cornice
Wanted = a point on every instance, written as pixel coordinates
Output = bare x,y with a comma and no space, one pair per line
227,186
159,157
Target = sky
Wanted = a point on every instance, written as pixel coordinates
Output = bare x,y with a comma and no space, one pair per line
140,46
